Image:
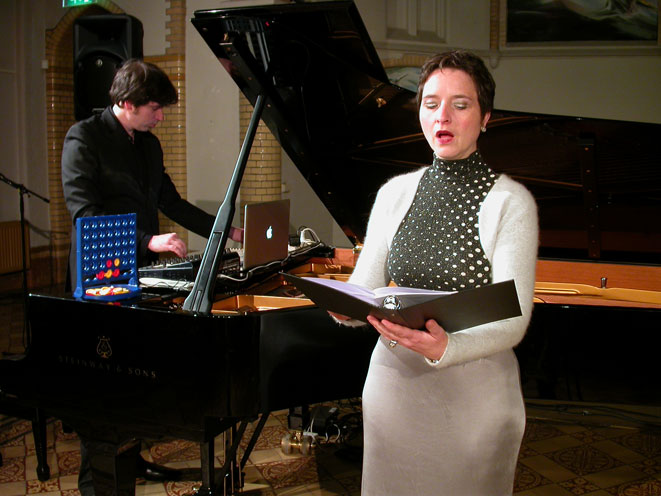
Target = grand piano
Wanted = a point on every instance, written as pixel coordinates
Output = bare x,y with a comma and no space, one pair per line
597,184
197,364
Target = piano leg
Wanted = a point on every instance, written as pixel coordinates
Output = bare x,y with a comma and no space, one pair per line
207,459
112,467
40,444
38,419
546,360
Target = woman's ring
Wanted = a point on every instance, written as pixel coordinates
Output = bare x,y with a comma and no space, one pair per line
392,343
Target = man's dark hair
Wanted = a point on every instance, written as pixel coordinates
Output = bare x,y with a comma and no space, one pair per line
140,82
472,65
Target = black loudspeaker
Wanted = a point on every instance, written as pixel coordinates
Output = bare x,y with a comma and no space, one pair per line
101,43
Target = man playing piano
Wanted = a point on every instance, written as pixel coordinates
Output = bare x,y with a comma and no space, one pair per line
113,164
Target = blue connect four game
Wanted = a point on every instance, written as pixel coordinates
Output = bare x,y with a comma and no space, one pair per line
106,257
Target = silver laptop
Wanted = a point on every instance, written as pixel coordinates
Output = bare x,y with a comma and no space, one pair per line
266,232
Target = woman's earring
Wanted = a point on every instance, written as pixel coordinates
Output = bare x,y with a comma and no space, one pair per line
483,129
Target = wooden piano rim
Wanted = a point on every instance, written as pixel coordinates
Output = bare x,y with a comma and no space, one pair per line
546,289
568,282
578,300
558,283
245,303
579,283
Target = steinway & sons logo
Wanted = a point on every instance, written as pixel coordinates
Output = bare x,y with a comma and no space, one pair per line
103,349
102,362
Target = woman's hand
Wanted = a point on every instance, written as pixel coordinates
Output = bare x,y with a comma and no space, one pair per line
430,344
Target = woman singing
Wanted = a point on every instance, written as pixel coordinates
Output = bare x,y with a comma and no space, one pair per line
444,413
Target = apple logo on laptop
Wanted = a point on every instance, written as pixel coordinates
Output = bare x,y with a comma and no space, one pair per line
269,232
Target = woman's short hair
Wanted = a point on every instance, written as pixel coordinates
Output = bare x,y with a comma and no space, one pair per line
472,65
140,82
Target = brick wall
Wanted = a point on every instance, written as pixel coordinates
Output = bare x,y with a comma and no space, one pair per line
262,177
172,131
59,117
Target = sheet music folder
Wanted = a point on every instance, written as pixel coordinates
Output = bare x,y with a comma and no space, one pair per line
453,311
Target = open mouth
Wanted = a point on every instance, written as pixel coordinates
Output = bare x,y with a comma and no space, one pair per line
444,136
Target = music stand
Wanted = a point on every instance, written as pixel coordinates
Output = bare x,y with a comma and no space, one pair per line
22,191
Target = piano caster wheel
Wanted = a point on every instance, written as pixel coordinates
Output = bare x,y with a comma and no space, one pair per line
298,441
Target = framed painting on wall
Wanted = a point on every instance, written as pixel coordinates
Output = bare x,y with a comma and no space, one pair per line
580,22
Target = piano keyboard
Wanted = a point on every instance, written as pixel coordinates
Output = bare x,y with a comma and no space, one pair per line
185,269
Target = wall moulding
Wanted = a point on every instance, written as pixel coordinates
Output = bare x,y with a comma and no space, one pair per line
412,23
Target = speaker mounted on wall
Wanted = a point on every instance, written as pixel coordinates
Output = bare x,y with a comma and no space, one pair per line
101,44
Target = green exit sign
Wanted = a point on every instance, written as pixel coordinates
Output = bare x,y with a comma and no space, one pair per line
77,3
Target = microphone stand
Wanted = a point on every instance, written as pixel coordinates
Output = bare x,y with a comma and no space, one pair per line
22,190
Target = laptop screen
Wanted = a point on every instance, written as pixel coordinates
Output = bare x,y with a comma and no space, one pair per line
266,232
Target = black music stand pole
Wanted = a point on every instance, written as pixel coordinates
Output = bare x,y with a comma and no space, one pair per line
22,191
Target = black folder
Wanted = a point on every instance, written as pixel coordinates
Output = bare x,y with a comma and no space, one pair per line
453,311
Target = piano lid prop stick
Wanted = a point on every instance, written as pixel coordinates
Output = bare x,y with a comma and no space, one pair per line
201,296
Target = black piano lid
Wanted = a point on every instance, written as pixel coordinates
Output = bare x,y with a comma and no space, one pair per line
348,129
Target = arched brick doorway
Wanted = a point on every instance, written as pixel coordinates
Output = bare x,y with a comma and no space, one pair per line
60,114
60,117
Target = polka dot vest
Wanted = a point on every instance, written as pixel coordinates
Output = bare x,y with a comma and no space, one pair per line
438,245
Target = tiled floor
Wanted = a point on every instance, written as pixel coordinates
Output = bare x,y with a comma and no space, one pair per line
269,472
557,458
568,449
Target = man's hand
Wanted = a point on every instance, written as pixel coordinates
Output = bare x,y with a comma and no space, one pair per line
168,242
236,234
